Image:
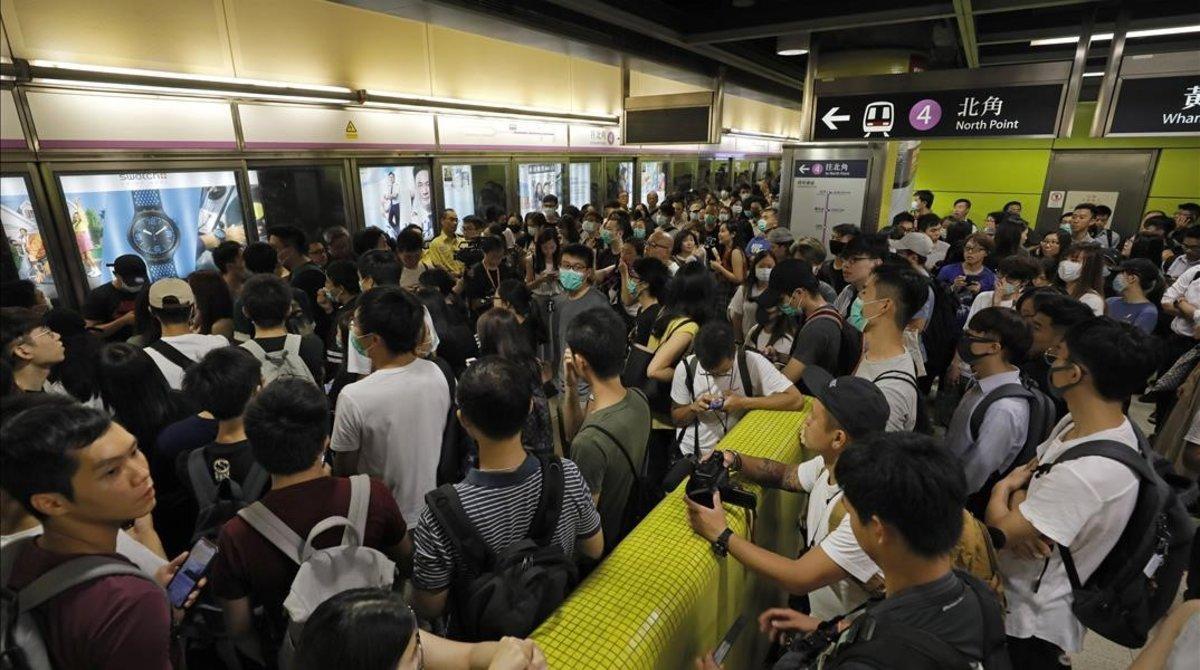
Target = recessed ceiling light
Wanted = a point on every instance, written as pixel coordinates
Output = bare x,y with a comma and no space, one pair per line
793,45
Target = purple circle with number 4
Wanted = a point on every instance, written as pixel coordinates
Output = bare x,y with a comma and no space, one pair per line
925,114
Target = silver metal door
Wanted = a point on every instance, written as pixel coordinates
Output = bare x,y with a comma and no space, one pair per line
1119,179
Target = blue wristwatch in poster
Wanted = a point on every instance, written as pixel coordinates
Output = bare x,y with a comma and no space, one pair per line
153,234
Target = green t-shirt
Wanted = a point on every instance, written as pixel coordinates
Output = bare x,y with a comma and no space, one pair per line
600,462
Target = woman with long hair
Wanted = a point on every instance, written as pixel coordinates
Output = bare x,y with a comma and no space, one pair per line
541,275
729,268
1082,271
214,303
76,375
772,336
1010,241
499,333
688,304
957,233
646,282
374,629
743,305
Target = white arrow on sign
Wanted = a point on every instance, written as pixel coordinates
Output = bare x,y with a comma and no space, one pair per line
803,169
832,116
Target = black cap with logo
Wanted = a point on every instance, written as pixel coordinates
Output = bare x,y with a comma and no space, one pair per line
787,276
857,404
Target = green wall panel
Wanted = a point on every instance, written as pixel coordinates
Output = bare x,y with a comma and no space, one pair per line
1178,174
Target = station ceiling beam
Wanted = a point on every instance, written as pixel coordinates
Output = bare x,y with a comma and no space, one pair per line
924,12
965,19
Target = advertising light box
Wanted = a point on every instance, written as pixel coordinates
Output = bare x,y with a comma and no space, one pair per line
395,197
173,220
25,240
538,180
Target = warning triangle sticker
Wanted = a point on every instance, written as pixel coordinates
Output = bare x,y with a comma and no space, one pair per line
351,131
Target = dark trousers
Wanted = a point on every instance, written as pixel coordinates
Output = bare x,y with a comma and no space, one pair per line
1031,653
1175,346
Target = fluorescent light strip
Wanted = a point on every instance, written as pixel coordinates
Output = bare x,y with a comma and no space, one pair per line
94,87
1132,34
791,52
160,74
437,101
1093,74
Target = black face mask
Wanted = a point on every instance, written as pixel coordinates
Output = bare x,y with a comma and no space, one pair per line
964,348
836,247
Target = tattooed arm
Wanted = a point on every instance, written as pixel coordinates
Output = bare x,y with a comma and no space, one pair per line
764,472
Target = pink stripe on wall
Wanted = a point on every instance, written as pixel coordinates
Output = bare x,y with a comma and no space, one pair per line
137,144
339,145
13,144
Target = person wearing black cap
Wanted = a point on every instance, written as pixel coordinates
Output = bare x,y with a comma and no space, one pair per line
796,290
844,410
109,307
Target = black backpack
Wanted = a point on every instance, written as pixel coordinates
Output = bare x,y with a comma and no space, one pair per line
1138,580
900,646
850,347
942,330
516,589
219,502
457,447
643,494
923,424
1042,417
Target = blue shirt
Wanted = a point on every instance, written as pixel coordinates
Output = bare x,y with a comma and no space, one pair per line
1143,315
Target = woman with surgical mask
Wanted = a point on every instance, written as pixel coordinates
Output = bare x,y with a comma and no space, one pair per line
1134,279
1082,272
743,306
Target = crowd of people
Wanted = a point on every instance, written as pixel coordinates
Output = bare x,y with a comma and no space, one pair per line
376,439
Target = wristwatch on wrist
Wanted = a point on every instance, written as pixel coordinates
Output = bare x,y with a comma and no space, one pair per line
720,545
736,465
153,235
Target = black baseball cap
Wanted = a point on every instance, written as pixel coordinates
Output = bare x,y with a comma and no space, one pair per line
857,404
130,268
787,276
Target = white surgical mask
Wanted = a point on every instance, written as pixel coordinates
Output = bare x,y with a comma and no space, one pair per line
762,274
1070,270
735,208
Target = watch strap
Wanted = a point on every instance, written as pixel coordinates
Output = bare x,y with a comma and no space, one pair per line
162,270
721,544
145,199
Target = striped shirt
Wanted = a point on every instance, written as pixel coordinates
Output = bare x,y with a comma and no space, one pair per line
501,506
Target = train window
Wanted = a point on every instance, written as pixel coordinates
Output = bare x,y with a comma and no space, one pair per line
683,176
26,246
714,174
537,180
585,184
472,189
395,197
173,220
310,197
654,178
620,179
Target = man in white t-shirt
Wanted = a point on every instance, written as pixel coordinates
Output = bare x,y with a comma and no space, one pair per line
1083,504
383,269
844,410
389,425
173,304
890,298
722,390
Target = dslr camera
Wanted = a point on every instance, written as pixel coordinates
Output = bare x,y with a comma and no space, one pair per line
708,477
470,253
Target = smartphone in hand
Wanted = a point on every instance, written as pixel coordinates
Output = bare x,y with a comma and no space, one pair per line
191,572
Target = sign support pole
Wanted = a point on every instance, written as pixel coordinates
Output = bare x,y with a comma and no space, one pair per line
1108,85
809,103
1075,83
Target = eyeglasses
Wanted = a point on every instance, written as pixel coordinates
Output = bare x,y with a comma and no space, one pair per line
40,332
578,267
971,248
858,259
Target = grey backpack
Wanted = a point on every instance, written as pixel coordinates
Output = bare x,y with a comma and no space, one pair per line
323,573
22,646
283,363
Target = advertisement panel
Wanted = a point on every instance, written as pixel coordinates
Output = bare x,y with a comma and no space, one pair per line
458,192
25,240
173,220
581,184
654,178
537,180
395,197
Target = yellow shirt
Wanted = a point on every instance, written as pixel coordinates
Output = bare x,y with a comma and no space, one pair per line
440,253
680,323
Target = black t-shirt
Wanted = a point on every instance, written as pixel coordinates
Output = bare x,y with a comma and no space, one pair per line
107,302
232,460
643,324
819,341
946,608
241,322
832,276
480,283
312,351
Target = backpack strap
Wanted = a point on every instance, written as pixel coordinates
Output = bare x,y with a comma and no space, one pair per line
256,482
900,375
169,352
620,447
256,349
273,530
744,371
1003,391
878,646
360,498
549,509
994,635
64,576
291,344
1117,451
350,537
446,506
689,370
204,488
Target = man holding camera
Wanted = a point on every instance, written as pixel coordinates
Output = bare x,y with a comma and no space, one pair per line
844,410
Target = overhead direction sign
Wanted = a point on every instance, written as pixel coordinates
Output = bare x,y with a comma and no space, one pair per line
1030,110
1168,105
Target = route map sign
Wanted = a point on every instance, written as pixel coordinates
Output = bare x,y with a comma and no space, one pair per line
1157,106
1030,110
826,193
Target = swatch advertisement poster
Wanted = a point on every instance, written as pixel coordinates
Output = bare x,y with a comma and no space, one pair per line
173,220
395,197
25,240
537,181
654,178
458,191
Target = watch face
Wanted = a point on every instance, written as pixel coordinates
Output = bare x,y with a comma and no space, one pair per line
154,235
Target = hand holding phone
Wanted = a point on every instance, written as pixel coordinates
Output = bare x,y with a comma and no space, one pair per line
188,577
